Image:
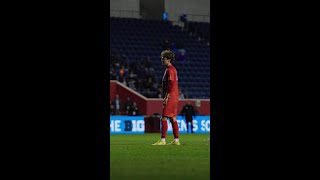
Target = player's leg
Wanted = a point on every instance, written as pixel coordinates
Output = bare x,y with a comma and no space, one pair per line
191,122
191,127
164,129
175,129
187,126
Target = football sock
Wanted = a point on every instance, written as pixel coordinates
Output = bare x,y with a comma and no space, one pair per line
187,127
175,129
191,128
164,129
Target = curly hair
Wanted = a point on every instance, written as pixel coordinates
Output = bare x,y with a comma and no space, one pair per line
169,55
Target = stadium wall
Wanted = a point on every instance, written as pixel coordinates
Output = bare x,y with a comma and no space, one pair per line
149,106
125,8
198,10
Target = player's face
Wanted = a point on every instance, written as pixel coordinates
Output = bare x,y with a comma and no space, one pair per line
165,61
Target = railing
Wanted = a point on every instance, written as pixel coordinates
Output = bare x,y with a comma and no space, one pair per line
149,106
136,14
125,13
198,17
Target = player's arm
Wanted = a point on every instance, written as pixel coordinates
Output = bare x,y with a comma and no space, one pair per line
171,78
165,100
170,86
166,97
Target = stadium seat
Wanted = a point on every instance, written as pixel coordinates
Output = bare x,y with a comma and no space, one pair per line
137,38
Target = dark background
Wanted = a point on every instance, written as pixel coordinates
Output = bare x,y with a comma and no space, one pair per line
57,91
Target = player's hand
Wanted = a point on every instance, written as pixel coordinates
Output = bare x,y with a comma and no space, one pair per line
165,100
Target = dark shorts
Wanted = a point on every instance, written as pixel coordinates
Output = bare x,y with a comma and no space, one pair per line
189,119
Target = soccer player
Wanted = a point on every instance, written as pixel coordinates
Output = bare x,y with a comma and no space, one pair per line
171,98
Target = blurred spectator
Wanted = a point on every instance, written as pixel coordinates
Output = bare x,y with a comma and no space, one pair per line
112,109
165,45
121,74
126,70
134,111
139,77
173,48
128,105
149,83
159,93
181,95
113,75
124,59
183,18
181,53
199,30
152,73
117,104
131,84
131,79
117,69
164,16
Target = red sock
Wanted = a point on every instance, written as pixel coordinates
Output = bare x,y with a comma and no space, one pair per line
175,129
164,129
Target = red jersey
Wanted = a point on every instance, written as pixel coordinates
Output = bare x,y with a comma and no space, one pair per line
170,82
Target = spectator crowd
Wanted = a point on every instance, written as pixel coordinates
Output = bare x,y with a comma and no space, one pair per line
140,77
129,108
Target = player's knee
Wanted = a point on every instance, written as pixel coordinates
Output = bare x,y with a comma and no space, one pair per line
164,119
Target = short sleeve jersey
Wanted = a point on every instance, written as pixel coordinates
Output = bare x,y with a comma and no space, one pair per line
170,82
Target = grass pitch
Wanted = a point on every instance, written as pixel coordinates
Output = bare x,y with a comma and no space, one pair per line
132,157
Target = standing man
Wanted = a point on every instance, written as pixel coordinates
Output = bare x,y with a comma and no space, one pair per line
188,112
171,98
128,105
134,110
117,105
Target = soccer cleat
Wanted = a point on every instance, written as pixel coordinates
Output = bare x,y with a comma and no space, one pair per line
174,143
159,143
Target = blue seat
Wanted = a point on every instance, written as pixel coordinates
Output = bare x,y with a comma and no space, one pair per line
138,38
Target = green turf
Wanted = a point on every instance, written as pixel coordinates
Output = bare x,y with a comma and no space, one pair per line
132,157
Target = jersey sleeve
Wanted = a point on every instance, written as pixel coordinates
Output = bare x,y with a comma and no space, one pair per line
171,75
171,78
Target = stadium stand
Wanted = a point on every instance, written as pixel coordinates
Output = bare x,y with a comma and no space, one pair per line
138,42
200,29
